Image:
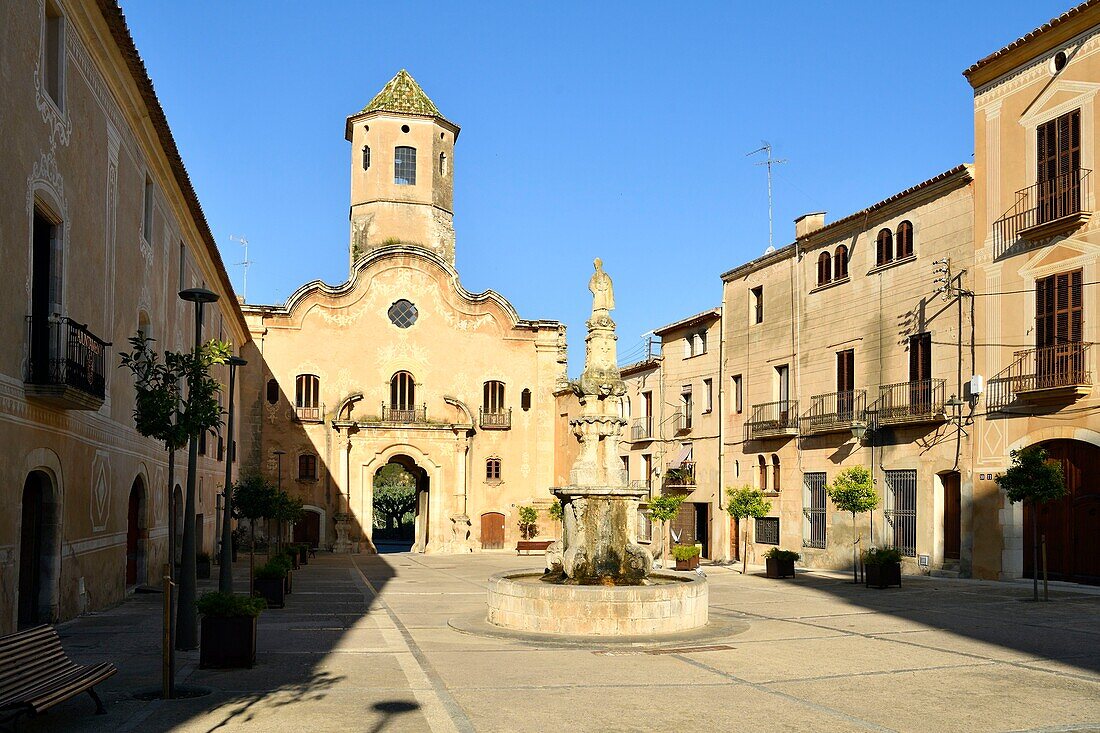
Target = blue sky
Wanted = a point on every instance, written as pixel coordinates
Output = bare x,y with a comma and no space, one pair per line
616,130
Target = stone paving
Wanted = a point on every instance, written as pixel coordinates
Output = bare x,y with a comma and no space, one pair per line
364,645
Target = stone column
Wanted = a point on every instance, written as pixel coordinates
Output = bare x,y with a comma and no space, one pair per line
343,501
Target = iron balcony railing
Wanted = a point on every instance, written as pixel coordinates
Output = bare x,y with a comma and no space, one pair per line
771,419
1044,368
500,420
911,402
1042,203
642,428
65,353
308,413
835,411
684,475
405,414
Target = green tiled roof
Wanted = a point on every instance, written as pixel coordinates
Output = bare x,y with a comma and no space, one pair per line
402,95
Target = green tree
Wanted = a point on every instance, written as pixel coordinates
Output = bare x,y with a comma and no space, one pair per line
745,503
253,498
853,490
556,511
528,522
394,496
663,508
285,510
1033,479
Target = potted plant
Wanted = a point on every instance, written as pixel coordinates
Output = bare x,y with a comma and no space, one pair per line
287,564
202,565
270,583
228,638
747,503
528,522
883,567
303,553
853,491
663,509
687,556
780,563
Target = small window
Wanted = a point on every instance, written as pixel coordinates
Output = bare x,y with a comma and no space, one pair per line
758,304
307,467
824,269
202,443
54,53
884,251
307,388
221,448
685,407
767,530
492,397
525,400
147,212
404,165
708,395
776,472
624,406
272,391
904,240
183,265
403,313
492,469
738,395
762,473
840,263
366,157
443,164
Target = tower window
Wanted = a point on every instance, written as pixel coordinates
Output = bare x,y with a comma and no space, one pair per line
525,399
443,164
366,157
404,165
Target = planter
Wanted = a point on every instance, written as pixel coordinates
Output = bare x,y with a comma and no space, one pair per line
202,569
288,583
883,576
228,643
272,590
303,554
777,568
690,564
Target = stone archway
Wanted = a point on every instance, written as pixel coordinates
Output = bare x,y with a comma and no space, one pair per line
39,550
395,535
137,532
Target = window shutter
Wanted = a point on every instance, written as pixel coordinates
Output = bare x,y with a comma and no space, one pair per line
1076,309
1044,312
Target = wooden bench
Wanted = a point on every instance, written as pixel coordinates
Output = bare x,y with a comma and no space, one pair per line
36,674
530,546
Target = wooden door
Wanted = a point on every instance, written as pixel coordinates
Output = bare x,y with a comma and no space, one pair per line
952,517
492,531
308,529
682,526
1071,525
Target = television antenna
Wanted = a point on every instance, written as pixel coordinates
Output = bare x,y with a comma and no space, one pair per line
769,161
246,263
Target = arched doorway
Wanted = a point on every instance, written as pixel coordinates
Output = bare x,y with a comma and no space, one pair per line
492,531
308,529
1071,525
135,534
39,561
400,506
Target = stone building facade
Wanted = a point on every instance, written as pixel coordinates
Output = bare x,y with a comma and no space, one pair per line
401,364
99,231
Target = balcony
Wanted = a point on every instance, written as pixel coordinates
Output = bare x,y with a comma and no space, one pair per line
66,367
681,421
404,415
911,403
1055,206
642,428
773,420
682,477
835,412
308,414
500,420
1044,375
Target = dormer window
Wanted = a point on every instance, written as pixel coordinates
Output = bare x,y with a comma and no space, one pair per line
404,165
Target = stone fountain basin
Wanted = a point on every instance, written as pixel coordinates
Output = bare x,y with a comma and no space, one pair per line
672,603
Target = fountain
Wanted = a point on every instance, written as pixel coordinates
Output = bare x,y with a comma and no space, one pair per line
598,580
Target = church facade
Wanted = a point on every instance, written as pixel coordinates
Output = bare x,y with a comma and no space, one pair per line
401,364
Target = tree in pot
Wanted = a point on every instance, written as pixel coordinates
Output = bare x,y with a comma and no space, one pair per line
745,503
780,563
1034,479
270,583
228,638
853,490
528,522
883,567
686,556
285,510
663,509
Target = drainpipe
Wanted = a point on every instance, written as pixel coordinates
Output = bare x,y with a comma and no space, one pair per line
721,426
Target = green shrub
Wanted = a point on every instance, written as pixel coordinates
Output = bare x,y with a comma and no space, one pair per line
776,554
881,556
271,571
227,605
556,510
685,552
282,560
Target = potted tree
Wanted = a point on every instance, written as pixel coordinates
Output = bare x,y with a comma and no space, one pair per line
202,565
744,503
270,583
883,567
853,490
780,563
303,553
253,498
687,556
1034,479
228,637
662,509
528,522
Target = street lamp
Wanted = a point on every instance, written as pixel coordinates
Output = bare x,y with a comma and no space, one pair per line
187,627
225,571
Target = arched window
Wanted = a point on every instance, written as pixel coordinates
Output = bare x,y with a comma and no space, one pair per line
762,473
443,164
307,467
624,406
492,397
525,400
885,250
366,157
272,391
824,268
402,391
492,469
775,473
307,391
840,262
404,165
905,239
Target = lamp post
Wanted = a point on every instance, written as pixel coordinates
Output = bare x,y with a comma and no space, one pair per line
279,483
860,430
187,624
225,570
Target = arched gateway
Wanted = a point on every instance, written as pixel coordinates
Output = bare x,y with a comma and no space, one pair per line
1071,525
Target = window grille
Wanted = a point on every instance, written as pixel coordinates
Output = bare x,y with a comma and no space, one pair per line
767,530
813,510
404,165
402,313
900,510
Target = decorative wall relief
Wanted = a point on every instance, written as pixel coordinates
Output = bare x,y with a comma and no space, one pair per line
100,495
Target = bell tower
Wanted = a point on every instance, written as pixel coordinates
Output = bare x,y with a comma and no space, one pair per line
402,189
